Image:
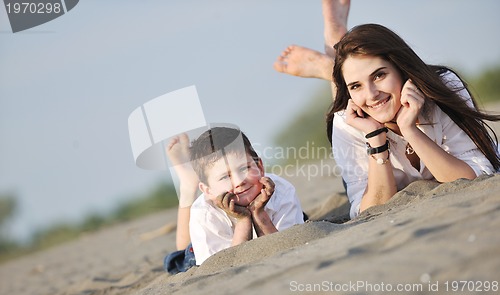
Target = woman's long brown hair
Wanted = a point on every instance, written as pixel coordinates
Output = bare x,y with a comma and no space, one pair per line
377,40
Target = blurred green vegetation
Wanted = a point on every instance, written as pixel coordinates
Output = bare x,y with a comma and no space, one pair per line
486,86
7,209
160,198
307,128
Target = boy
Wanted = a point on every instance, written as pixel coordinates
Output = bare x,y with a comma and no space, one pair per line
238,201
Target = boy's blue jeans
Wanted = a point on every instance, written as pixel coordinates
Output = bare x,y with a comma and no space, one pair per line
179,261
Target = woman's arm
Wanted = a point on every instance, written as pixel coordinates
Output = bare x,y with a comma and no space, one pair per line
381,183
443,166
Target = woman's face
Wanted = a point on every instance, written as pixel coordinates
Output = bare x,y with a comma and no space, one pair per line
374,85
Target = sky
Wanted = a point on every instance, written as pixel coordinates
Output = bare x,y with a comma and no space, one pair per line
68,86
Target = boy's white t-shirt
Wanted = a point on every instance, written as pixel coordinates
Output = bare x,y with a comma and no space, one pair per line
211,229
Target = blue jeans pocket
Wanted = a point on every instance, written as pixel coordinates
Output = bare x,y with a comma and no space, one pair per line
179,261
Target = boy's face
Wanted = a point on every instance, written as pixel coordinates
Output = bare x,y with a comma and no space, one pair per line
237,173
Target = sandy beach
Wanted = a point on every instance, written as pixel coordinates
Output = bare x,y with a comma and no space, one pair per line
425,240
427,233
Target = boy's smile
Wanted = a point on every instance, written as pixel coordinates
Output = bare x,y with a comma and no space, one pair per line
242,192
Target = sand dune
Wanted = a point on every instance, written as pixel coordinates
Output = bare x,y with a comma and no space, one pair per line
427,233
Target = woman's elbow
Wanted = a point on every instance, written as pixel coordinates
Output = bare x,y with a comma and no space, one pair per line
466,173
379,197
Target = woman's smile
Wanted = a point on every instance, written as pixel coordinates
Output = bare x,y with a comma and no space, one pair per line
375,85
379,104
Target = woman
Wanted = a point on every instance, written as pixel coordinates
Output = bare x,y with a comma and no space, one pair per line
396,119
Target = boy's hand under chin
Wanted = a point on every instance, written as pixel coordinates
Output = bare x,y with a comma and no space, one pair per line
262,222
252,214
261,200
225,201
243,227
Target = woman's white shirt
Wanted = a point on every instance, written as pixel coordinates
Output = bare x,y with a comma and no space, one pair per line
349,148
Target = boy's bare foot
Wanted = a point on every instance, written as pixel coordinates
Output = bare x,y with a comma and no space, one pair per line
304,62
178,152
335,13
178,149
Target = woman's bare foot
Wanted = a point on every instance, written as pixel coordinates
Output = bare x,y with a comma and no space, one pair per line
335,13
178,152
304,62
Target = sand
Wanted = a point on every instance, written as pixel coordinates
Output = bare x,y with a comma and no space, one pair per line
427,234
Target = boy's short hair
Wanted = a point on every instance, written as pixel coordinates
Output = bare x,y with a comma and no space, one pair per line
214,143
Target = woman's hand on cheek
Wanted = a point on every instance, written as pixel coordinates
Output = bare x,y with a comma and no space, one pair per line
412,101
359,120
